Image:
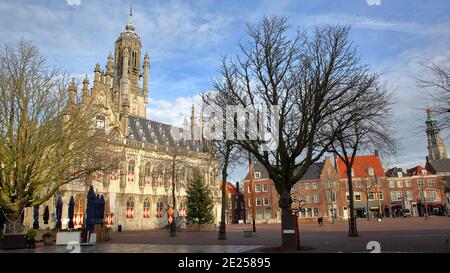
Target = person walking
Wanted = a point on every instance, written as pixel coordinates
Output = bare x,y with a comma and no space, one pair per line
320,221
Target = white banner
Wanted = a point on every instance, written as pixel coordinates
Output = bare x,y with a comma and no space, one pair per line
112,202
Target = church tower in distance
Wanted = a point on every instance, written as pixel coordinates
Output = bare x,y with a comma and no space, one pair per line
436,147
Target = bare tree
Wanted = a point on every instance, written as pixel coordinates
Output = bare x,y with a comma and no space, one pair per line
46,138
368,129
309,78
225,151
439,91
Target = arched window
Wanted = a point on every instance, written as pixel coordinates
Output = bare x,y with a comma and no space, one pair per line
79,210
109,216
131,166
147,173
130,207
146,208
183,209
159,208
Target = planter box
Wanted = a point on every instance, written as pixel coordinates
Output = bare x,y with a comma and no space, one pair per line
13,241
63,238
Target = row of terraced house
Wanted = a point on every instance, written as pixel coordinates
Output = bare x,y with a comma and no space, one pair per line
394,192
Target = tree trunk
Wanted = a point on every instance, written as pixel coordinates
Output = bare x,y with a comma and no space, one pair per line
222,229
14,222
173,225
367,207
352,229
289,235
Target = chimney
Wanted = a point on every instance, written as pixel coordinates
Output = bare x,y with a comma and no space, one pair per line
237,188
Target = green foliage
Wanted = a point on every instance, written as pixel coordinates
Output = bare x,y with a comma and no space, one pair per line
31,233
199,201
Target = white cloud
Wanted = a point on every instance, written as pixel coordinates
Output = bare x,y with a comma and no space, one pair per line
173,112
373,2
401,74
73,2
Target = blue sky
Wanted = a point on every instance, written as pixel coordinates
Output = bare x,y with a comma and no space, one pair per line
185,40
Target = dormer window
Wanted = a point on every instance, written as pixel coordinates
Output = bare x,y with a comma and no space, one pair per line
371,171
400,174
257,175
424,172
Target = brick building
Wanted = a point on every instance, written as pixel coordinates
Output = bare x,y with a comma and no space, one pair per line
317,192
236,204
266,196
410,191
369,186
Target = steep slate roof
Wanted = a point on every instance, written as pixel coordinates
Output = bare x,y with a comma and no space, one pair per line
157,133
393,172
314,171
258,167
360,166
440,165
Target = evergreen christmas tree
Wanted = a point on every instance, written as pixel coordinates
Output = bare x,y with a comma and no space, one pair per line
199,202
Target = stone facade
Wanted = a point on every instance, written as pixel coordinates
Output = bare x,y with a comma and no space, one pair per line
138,194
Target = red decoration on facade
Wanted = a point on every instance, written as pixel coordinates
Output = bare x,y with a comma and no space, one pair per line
183,212
146,212
112,176
109,218
158,212
78,220
130,213
130,176
147,179
170,215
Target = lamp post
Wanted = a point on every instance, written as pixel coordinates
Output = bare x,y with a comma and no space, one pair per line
252,194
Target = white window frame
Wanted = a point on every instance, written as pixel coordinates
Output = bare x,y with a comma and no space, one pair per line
265,188
258,187
258,202
316,198
409,195
257,175
307,186
315,185
408,183
266,198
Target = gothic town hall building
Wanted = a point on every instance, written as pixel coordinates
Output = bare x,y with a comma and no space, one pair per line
139,194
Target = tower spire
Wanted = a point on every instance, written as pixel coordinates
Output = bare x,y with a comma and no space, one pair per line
436,146
130,25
